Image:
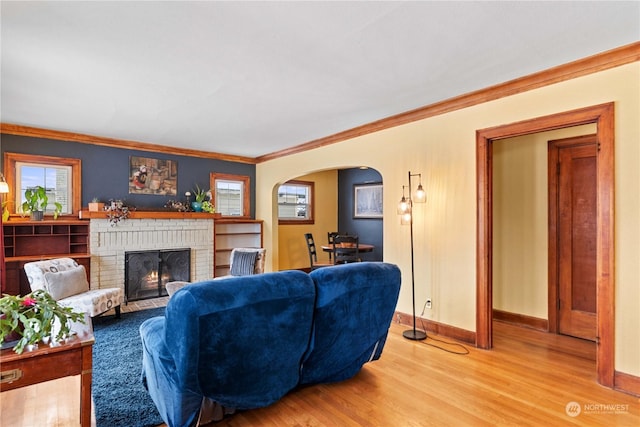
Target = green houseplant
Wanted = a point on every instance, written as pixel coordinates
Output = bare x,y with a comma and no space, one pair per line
201,196
30,319
36,202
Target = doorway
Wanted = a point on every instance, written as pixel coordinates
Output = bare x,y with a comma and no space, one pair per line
572,170
603,116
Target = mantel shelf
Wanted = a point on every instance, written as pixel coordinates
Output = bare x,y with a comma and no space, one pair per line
150,215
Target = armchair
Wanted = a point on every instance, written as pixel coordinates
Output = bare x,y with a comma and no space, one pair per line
66,281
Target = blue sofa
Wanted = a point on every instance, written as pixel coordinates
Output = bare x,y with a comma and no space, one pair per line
247,341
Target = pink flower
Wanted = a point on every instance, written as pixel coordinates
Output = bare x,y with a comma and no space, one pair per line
29,302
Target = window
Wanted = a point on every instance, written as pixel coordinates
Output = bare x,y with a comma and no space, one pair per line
295,203
230,194
59,176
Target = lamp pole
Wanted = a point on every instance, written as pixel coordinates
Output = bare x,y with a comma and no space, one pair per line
413,334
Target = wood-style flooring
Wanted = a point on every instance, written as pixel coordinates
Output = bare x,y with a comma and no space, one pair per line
529,378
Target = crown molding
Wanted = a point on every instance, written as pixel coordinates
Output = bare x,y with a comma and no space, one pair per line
589,65
12,129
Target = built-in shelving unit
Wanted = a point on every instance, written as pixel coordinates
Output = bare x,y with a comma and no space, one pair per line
234,233
26,241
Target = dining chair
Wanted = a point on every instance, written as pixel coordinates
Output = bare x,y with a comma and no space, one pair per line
346,249
330,236
313,254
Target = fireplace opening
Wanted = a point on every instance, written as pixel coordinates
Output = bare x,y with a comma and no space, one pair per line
147,272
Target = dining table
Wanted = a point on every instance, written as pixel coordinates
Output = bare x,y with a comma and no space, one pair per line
362,247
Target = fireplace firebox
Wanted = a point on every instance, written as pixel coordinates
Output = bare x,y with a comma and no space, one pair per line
147,272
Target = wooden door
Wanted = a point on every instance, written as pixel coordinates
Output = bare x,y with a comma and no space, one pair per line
576,236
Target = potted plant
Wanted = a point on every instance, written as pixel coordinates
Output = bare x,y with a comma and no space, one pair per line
208,207
200,195
36,202
26,321
96,205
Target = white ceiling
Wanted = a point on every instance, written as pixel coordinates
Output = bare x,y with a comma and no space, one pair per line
253,78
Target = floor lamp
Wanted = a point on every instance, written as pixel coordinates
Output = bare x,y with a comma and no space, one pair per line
405,210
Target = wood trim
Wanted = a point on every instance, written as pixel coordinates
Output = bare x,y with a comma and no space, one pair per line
589,65
627,383
312,205
437,328
521,320
150,215
603,116
13,129
10,160
246,194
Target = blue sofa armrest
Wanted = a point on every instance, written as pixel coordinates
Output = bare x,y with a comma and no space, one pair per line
354,309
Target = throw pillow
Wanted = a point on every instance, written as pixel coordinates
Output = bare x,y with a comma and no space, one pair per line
63,284
243,263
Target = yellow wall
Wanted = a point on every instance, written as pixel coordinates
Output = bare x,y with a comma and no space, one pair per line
520,221
443,149
291,243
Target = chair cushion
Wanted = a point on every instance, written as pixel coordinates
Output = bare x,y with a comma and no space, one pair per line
243,263
65,283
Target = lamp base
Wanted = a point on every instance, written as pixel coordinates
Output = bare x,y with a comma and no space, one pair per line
415,335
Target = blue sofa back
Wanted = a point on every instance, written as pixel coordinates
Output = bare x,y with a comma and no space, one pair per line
354,308
244,342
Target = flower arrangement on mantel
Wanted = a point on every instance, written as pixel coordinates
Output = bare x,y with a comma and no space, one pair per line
30,319
116,211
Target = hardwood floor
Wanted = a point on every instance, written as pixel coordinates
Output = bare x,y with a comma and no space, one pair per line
528,379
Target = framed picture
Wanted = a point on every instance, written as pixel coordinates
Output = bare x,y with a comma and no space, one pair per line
367,200
153,176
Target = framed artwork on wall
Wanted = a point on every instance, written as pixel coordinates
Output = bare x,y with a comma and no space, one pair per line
367,200
153,176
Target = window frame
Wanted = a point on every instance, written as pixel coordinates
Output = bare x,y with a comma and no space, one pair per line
311,204
10,161
246,192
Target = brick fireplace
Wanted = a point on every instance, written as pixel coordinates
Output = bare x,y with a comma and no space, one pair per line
108,245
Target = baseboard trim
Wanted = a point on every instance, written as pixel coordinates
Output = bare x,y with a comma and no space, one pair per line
437,328
626,383
521,320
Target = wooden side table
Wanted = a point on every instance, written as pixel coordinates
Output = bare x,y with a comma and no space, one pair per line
50,362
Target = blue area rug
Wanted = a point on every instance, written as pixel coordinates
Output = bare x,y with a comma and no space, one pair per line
120,398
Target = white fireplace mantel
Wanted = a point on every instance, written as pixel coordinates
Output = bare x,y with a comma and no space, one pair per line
147,231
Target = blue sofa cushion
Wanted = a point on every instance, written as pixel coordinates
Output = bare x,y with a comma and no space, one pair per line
354,309
239,342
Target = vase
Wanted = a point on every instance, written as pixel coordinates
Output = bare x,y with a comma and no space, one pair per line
37,215
197,206
12,338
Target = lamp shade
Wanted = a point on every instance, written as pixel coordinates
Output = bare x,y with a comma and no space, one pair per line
4,187
421,195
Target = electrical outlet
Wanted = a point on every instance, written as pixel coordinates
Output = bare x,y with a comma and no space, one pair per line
428,304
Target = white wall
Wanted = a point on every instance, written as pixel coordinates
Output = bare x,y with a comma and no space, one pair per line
443,149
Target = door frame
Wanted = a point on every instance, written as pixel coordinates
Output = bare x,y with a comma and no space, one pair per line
603,116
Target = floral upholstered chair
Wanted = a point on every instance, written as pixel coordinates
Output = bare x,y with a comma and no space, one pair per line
242,262
66,281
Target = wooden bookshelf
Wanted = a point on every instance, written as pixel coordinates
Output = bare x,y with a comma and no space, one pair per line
26,241
234,233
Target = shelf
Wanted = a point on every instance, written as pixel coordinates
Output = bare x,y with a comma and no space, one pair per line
234,233
26,241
